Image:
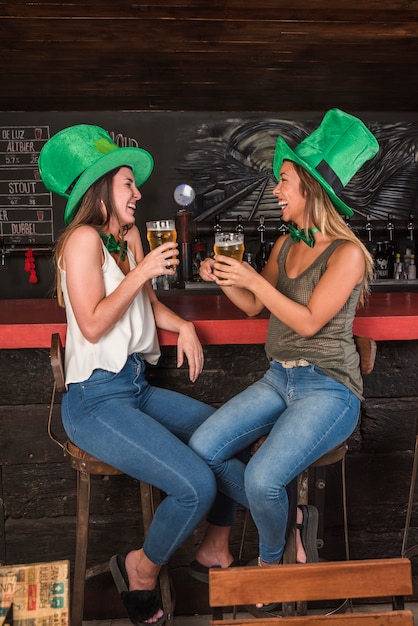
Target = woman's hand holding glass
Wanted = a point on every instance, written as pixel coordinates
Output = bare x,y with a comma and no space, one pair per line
161,260
226,268
160,232
228,271
229,250
162,236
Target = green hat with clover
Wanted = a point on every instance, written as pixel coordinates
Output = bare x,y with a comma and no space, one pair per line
332,153
73,159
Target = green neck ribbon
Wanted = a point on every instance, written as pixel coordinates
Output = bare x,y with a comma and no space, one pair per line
114,246
300,235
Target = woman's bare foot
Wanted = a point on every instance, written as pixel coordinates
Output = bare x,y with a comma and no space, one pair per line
142,575
214,549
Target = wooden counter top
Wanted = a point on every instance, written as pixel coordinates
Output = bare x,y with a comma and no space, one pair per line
29,323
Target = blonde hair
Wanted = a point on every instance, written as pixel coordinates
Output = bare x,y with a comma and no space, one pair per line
90,212
320,211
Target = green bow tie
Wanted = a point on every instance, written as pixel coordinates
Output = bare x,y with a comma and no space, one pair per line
300,235
114,246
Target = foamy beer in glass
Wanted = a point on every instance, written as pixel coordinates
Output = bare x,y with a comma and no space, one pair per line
160,231
229,244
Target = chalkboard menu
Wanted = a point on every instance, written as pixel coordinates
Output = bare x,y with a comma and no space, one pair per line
25,205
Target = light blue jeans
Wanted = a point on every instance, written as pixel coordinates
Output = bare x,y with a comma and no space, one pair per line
306,414
143,431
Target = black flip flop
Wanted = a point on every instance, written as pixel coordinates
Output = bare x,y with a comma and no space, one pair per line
201,572
309,531
139,605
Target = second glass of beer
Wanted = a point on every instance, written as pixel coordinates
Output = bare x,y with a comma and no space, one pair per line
229,244
160,231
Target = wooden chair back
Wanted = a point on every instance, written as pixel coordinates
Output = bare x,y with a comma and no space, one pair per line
366,347
57,362
371,579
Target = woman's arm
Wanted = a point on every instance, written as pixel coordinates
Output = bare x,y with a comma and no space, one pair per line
345,269
82,260
188,344
237,280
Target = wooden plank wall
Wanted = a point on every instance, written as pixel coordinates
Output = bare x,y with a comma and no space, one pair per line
229,55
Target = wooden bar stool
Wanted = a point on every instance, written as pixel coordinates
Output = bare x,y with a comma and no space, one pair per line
87,466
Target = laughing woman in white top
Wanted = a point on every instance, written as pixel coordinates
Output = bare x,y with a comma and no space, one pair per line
109,409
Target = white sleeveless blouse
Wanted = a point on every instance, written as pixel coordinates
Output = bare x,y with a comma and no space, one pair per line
134,332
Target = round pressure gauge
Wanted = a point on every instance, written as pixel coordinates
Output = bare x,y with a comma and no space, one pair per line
184,195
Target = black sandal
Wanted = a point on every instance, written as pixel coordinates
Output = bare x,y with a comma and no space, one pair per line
309,531
201,572
139,605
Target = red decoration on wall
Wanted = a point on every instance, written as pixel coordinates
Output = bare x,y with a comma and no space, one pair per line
30,266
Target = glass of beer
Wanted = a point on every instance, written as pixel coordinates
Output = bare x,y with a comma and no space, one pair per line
160,231
229,244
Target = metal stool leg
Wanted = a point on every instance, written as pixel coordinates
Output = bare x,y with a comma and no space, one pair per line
414,549
82,530
344,492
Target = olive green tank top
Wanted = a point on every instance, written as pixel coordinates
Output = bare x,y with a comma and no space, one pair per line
332,348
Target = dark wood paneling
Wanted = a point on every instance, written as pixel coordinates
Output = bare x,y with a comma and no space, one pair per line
208,55
39,487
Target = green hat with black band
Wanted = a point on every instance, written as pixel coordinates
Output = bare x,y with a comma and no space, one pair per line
73,159
332,153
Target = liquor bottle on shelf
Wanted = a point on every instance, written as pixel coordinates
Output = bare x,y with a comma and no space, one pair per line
262,254
407,245
381,261
398,273
406,261
412,269
249,258
199,253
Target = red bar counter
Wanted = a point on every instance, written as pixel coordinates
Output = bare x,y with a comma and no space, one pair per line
29,323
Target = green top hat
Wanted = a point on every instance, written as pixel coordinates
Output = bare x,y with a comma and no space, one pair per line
73,159
332,153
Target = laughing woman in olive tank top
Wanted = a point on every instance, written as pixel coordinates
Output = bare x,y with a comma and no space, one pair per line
308,401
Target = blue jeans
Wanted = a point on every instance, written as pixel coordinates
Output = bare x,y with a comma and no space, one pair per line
305,413
143,431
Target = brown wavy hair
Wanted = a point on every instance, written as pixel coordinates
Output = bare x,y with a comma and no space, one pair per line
320,211
90,212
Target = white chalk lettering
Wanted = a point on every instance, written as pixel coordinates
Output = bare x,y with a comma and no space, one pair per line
13,133
20,146
25,228
22,187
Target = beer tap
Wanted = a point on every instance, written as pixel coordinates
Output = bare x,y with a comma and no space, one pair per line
408,245
261,256
411,227
369,231
239,228
390,246
184,196
3,251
